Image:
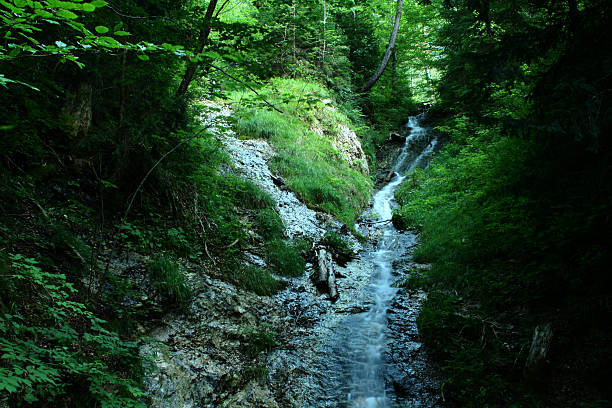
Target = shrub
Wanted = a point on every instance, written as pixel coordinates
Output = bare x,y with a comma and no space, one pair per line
169,281
260,340
339,247
51,344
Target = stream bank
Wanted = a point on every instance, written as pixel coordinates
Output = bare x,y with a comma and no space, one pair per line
236,349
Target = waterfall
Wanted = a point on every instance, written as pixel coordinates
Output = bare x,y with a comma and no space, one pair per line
368,339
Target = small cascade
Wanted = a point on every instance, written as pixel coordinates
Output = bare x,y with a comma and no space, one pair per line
367,339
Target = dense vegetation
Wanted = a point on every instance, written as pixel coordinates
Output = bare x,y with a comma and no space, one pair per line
514,211
112,188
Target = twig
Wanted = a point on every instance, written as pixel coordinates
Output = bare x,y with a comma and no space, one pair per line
127,211
208,253
247,85
376,222
233,243
119,13
221,8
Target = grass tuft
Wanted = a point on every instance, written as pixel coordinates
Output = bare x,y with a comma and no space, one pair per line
256,279
284,259
169,280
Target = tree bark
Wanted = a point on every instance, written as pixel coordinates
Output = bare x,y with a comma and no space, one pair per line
202,40
381,68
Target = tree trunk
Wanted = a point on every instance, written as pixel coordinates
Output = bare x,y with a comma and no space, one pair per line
202,40
394,74
390,46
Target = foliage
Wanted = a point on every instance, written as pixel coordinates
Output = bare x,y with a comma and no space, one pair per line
269,224
52,344
502,208
260,340
339,247
169,280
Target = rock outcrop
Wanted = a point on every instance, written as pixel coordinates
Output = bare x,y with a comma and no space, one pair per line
348,145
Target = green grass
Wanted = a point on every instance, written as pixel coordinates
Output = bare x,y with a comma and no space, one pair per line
249,195
269,224
284,259
255,279
313,168
169,280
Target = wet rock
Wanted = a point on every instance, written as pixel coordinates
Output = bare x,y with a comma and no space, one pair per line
396,137
353,309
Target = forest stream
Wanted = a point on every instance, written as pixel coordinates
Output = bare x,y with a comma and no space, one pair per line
361,349
370,345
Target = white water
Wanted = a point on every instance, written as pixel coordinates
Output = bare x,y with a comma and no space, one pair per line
367,343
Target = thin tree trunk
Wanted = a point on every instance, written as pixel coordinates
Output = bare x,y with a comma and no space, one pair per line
293,20
390,46
202,40
394,73
324,34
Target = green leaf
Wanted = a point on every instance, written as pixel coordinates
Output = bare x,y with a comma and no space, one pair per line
98,3
121,33
143,57
102,29
66,14
109,42
43,13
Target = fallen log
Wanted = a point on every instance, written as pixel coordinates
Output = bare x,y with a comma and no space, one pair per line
325,278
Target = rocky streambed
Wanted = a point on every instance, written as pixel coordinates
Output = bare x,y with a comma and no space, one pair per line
297,348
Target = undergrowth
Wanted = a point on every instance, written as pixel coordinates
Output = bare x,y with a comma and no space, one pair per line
501,240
